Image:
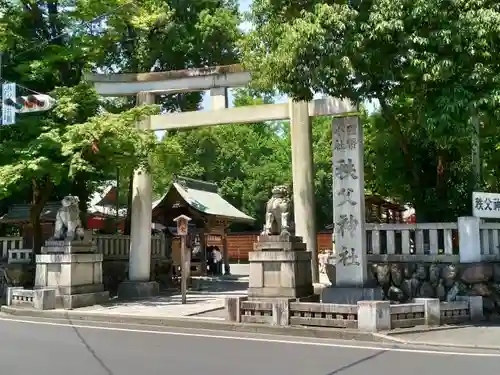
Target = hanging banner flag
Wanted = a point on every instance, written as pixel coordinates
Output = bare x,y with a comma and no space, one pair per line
8,111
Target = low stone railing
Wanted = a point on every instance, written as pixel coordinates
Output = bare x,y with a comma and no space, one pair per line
456,312
40,299
403,242
369,316
490,241
407,315
256,312
7,243
323,314
20,256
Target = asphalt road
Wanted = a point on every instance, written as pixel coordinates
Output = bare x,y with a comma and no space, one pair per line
51,347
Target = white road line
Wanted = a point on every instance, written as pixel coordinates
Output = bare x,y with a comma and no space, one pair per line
257,339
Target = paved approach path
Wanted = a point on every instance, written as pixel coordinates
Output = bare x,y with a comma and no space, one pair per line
50,347
164,306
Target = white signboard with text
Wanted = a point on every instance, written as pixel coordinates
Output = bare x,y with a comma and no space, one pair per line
8,111
486,205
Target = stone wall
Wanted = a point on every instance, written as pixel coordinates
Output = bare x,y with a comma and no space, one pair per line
401,282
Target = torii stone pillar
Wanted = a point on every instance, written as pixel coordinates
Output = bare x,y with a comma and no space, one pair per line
304,200
139,273
220,100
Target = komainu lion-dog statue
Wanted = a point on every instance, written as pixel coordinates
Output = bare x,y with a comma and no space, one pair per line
68,224
278,212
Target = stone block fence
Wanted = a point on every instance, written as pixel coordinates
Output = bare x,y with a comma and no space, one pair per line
371,316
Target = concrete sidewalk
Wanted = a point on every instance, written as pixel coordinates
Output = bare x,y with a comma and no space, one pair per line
165,306
485,336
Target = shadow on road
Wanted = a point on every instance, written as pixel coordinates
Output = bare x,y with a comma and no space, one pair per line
89,348
346,367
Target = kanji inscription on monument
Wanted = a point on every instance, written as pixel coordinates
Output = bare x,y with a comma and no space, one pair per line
349,202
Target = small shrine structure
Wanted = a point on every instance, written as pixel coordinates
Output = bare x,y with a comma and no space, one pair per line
380,210
211,215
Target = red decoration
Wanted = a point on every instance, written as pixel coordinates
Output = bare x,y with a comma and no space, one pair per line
440,167
95,146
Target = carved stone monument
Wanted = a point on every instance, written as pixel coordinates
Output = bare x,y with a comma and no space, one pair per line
280,266
352,283
69,263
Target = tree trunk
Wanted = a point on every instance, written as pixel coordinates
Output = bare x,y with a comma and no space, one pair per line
37,229
128,219
41,194
80,189
403,144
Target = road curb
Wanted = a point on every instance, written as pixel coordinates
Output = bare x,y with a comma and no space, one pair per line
309,332
209,310
424,329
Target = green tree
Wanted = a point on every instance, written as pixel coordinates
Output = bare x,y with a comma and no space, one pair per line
444,167
42,49
430,64
42,151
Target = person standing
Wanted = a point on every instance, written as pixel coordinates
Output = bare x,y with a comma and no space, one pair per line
217,256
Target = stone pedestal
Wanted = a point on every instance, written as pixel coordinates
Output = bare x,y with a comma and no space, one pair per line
131,289
280,267
74,270
351,295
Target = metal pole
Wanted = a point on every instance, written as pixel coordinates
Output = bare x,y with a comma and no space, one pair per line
183,270
117,197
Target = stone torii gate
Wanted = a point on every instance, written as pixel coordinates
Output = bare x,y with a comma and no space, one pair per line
218,80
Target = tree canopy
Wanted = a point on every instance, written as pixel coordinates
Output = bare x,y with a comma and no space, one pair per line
431,65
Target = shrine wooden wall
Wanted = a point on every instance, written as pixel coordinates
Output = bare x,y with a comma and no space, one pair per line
240,244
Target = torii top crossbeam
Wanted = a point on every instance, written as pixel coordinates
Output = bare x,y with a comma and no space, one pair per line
210,78
171,82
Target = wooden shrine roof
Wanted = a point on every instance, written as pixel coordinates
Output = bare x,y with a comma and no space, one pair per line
201,197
